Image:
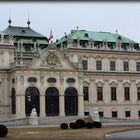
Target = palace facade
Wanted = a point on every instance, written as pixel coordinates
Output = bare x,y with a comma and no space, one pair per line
81,71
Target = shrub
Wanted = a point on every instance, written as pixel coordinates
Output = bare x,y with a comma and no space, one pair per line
3,130
64,126
89,125
81,123
97,124
74,125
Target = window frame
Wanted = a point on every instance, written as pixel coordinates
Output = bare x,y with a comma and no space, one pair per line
85,64
137,66
127,93
86,93
113,94
112,66
126,66
98,65
99,93
127,114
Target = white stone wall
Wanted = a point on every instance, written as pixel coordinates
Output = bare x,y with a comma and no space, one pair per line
118,79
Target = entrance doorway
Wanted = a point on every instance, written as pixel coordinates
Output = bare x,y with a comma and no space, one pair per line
52,101
71,101
32,100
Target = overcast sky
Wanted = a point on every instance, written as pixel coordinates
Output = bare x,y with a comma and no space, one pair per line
64,16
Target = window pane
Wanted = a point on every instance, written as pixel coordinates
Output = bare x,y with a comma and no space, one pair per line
126,92
99,94
101,113
127,114
112,66
138,113
98,65
84,64
125,65
138,93
114,114
86,113
113,93
86,93
13,101
138,66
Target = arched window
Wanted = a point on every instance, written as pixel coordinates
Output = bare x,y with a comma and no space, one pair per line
13,101
52,101
32,100
71,101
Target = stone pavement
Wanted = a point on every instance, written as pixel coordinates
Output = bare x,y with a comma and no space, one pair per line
133,134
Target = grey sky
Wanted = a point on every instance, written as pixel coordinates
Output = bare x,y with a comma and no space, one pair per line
62,17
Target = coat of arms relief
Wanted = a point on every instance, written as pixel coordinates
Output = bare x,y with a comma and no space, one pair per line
51,59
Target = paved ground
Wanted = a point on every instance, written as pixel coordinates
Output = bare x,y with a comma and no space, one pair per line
104,124
53,132
135,134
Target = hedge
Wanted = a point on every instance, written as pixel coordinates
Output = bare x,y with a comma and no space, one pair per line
3,130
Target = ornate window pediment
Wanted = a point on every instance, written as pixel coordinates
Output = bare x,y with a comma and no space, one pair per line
32,79
71,80
99,84
51,80
113,84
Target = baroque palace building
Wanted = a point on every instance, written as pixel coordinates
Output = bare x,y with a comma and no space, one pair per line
81,71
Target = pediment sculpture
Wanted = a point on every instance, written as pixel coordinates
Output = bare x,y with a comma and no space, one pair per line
51,59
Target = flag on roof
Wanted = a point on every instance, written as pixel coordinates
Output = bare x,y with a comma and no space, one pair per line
51,36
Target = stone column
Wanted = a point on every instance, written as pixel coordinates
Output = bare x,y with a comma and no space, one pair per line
35,46
22,82
42,97
106,91
133,91
80,98
78,43
18,46
92,91
120,92
42,105
61,98
20,97
80,105
89,60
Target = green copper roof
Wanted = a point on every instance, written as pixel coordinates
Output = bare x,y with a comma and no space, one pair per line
22,32
96,36
30,41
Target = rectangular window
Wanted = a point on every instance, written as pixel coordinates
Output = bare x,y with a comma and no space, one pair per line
138,113
138,66
113,94
125,66
126,93
27,48
98,65
138,93
112,66
86,113
127,114
101,113
86,93
84,62
114,114
99,94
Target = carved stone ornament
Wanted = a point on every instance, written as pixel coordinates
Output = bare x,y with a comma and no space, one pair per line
51,59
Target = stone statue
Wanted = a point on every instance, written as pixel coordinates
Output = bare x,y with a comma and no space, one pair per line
33,113
94,114
33,120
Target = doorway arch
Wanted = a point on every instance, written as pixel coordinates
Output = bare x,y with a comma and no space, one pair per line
32,100
52,101
71,101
